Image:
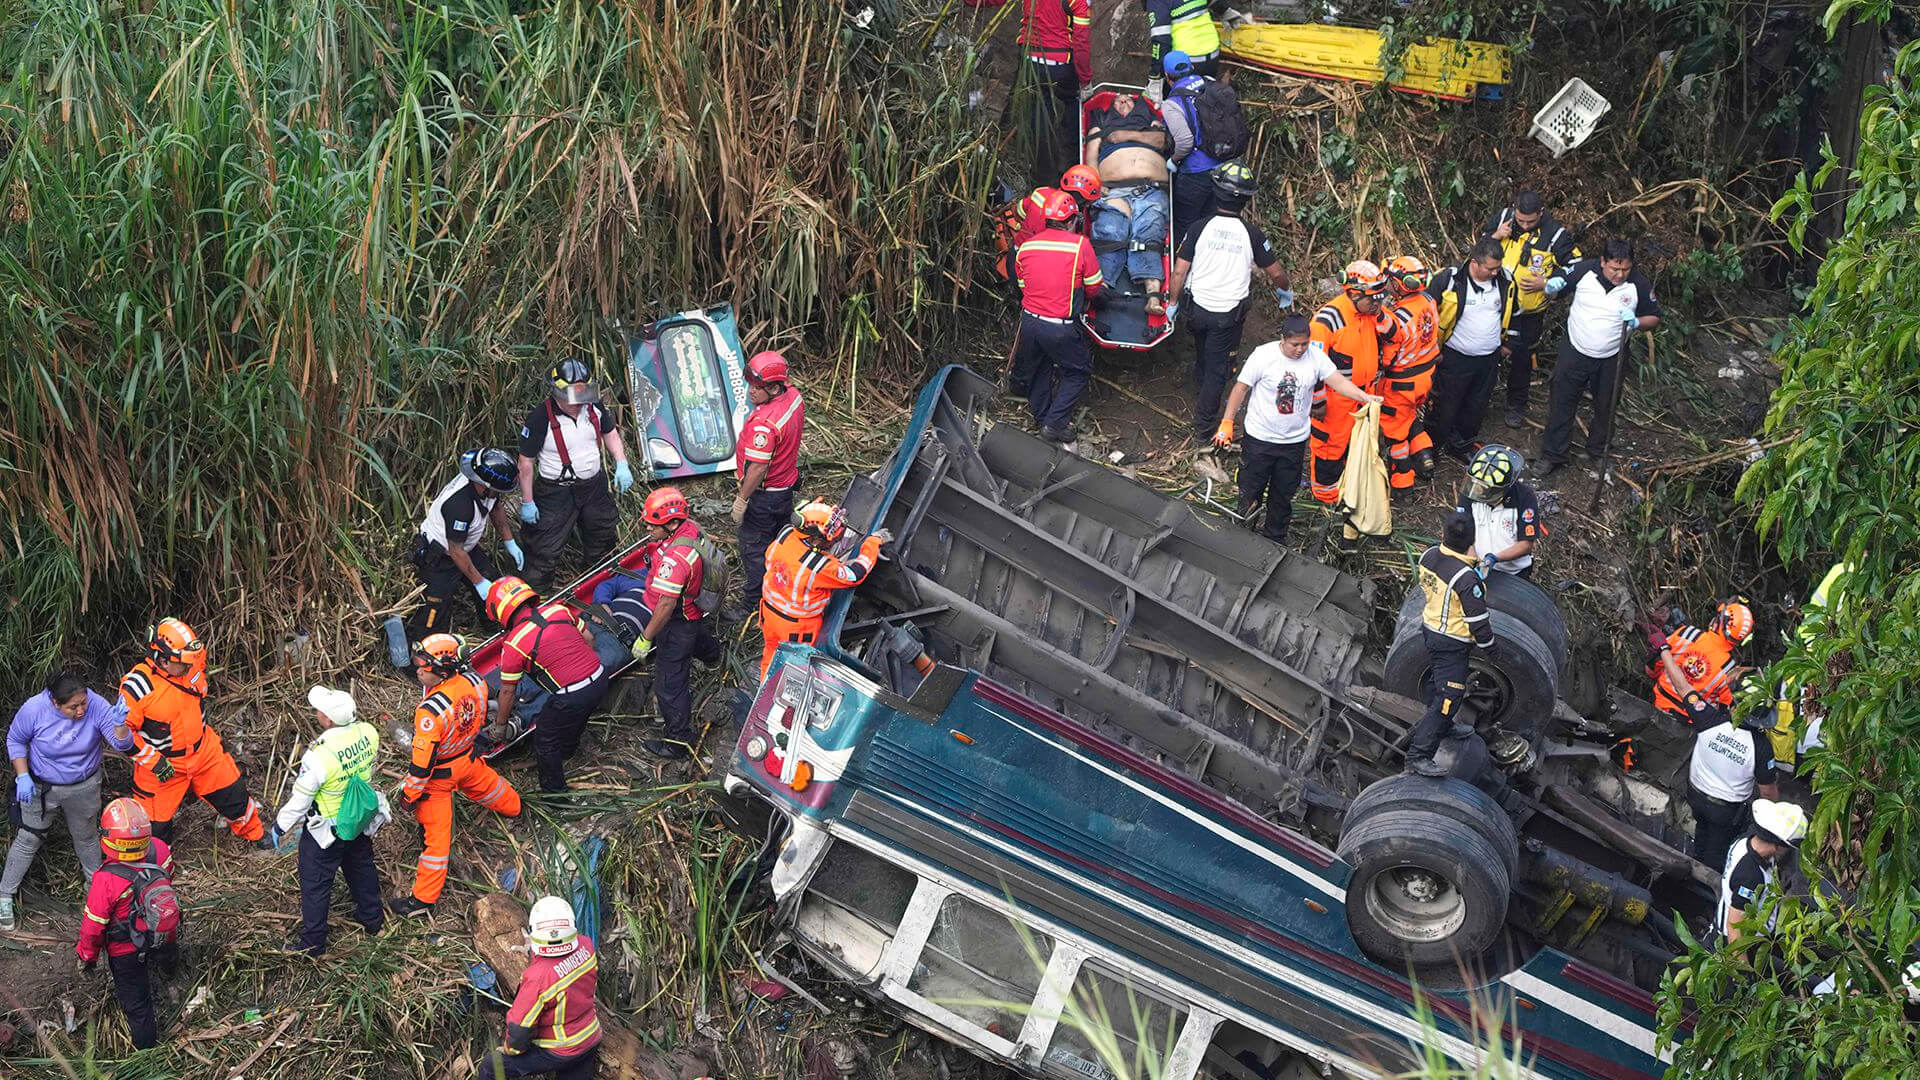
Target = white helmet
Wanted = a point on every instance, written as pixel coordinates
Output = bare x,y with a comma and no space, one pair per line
550,929
1784,822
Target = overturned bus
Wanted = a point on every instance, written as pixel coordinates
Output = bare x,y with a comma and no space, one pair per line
1083,775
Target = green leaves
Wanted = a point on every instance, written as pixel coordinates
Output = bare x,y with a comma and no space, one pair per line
1847,489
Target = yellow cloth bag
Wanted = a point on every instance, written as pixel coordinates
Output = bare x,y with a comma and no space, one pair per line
1363,483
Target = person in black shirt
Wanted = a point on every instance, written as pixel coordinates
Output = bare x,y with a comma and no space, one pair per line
1454,618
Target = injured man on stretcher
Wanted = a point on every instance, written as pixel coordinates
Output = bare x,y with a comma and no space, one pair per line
1127,143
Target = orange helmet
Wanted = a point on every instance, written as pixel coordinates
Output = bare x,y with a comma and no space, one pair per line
442,654
823,521
506,597
767,367
125,831
1081,180
1734,620
1408,274
1057,205
664,506
1363,278
173,640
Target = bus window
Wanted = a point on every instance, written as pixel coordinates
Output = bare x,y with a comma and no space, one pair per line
981,965
1238,1053
854,907
1130,1029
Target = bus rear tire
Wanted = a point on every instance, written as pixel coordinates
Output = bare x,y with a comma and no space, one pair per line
1427,890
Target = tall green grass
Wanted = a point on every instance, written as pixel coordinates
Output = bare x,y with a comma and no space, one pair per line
267,267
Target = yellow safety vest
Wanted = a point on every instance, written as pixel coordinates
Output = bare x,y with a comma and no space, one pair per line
348,751
1193,29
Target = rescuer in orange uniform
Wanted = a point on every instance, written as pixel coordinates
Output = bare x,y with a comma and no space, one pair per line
1406,372
174,749
1350,327
1706,658
445,722
803,574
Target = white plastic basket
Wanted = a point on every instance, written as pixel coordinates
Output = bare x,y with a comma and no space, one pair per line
1569,119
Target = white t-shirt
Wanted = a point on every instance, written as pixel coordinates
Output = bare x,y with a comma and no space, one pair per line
1280,391
1594,326
1477,331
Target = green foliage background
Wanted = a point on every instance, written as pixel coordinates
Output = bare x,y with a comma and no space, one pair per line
1844,489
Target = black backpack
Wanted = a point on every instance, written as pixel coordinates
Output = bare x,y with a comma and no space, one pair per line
155,916
1223,133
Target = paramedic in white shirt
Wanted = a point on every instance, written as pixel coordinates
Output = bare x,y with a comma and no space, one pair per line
1276,384
1472,298
1610,300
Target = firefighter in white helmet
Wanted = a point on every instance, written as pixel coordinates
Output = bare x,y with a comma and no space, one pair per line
553,1028
1778,828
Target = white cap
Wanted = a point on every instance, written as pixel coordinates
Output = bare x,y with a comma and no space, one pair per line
336,705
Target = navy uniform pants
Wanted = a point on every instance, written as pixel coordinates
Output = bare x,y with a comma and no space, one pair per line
318,866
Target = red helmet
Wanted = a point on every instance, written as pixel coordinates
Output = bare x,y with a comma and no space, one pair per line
1408,274
125,831
507,596
1734,620
1081,180
767,367
1363,278
664,506
1058,206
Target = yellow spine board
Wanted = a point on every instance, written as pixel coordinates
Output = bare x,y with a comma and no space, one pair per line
1443,67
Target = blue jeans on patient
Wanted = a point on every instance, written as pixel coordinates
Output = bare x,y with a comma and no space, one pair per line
1147,225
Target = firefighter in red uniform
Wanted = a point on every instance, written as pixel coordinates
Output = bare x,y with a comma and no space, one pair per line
1055,36
1022,219
1406,372
676,633
453,711
549,642
136,864
1058,274
175,751
768,462
803,574
553,1027
1706,658
1350,328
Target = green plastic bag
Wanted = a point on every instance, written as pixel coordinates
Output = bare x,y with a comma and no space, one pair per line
358,805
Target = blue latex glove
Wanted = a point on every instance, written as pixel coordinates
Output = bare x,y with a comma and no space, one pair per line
275,835
622,476
117,712
1284,297
519,556
1555,284
483,586
1488,561
23,789
529,513
1628,317
1173,312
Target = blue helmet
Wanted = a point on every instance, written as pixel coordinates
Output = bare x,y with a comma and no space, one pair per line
1177,64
